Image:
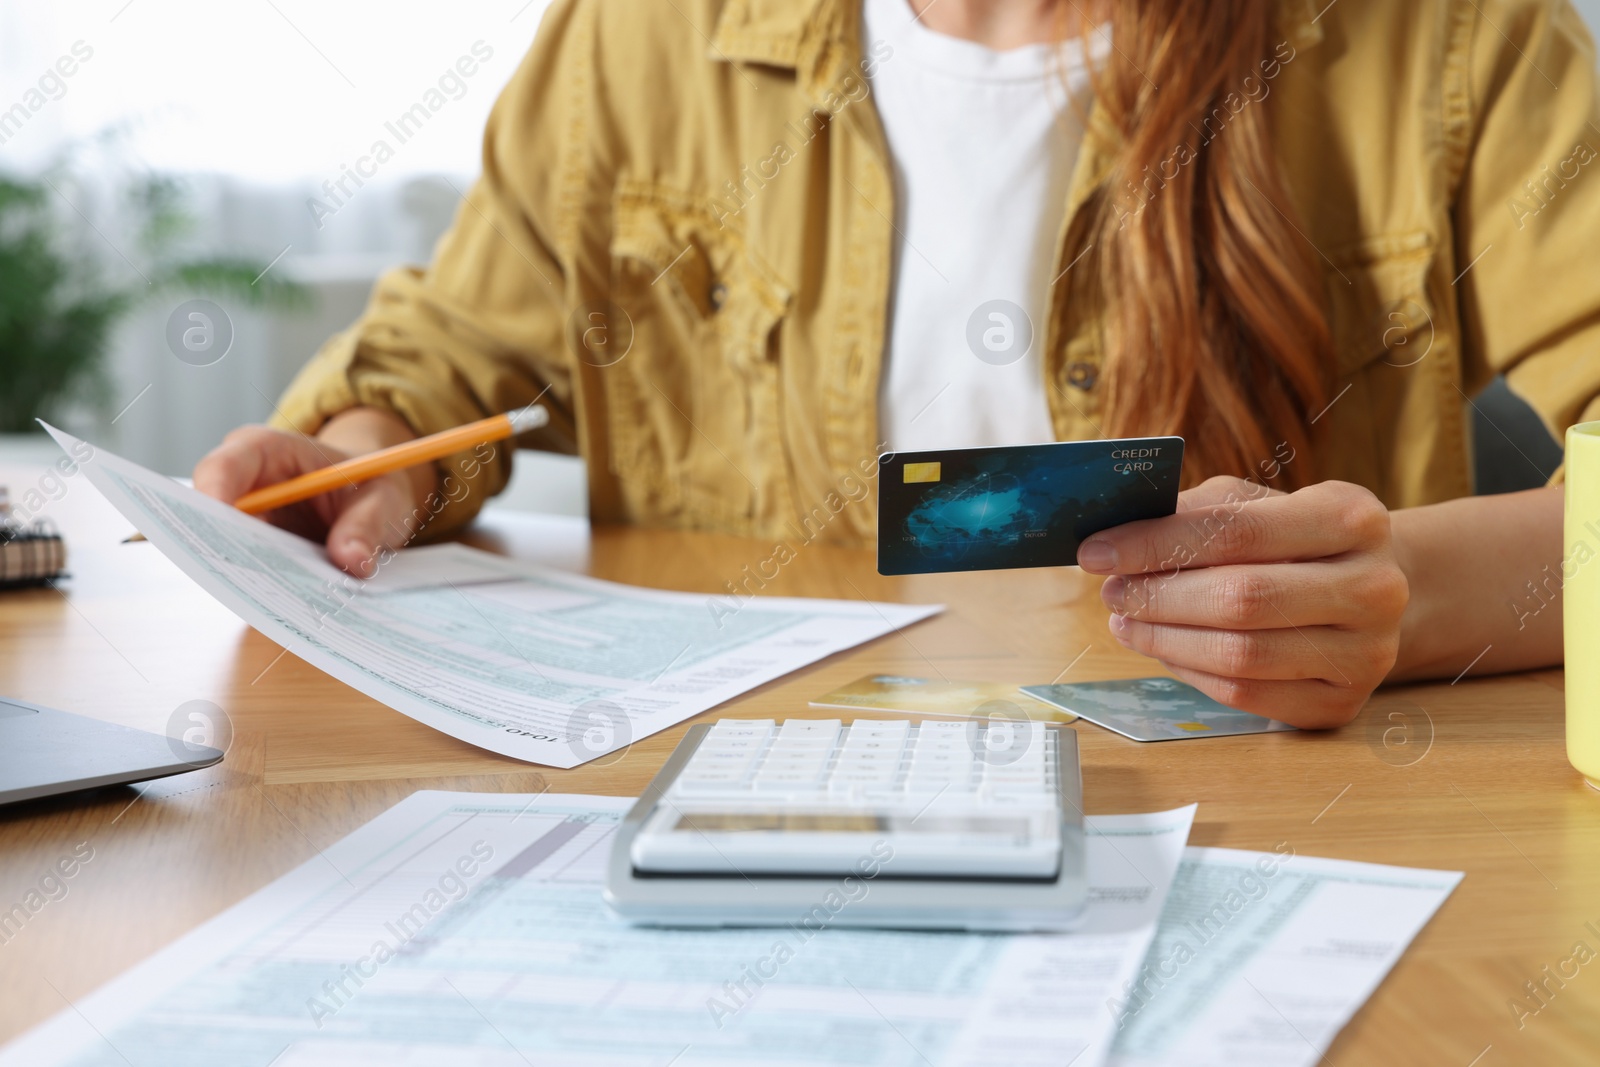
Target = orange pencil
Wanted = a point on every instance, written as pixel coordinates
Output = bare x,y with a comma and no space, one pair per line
387,460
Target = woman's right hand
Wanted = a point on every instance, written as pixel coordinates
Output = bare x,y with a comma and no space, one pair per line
358,521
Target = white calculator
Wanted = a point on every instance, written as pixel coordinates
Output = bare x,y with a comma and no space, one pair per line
939,824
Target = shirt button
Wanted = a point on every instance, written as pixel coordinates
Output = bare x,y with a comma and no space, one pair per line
1082,375
718,296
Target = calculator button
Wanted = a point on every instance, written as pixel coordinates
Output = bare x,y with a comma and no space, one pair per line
857,742
1010,774
941,773
960,752
710,783
756,728
806,727
939,770
1022,768
874,757
824,729
938,774
931,757
867,755
866,776
719,757
885,776
776,760
818,756
862,772
809,771
865,773
873,744
784,782
714,743
802,745
879,728
717,774
941,742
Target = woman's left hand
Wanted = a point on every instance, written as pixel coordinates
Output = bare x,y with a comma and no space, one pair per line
1285,605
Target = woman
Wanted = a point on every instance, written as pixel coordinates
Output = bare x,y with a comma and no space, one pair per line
741,248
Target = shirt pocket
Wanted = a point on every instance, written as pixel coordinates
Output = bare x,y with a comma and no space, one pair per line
1394,415
695,405
1382,312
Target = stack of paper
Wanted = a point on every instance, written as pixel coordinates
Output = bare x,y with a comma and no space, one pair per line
468,929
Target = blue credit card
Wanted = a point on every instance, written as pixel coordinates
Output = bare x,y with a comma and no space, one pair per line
985,509
1153,709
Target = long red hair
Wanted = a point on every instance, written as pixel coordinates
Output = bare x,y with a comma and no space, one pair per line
1216,323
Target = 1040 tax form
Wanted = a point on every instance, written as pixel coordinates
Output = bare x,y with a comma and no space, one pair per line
468,930
527,661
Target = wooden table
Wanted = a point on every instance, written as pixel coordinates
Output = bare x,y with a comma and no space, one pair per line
1470,776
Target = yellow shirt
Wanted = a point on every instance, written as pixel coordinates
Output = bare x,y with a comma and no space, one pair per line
682,239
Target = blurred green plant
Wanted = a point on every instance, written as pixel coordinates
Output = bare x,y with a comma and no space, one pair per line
57,312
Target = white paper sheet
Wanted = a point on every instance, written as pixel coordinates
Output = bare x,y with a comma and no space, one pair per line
467,929
1261,958
530,662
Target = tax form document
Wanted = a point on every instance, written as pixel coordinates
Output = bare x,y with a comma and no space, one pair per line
530,662
1261,958
467,930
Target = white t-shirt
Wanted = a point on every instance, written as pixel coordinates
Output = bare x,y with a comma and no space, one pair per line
983,144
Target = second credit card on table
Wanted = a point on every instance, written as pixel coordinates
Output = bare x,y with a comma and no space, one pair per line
980,509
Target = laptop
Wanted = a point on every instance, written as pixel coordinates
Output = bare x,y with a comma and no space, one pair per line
44,752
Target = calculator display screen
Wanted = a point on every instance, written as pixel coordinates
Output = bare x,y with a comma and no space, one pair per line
846,822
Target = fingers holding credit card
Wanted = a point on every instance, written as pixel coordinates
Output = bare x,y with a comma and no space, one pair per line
1286,605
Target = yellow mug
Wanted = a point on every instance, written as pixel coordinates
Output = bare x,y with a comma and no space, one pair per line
1581,599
